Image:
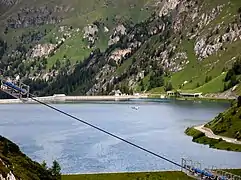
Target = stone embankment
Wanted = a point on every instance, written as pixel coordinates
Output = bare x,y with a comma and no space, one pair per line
63,98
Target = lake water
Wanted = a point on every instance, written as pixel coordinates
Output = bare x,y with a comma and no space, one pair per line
44,134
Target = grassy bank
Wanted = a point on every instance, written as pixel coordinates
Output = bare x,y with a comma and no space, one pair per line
212,99
200,138
168,175
234,171
227,123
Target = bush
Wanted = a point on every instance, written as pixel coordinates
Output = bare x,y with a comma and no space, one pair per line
168,86
55,170
239,101
198,135
233,112
220,140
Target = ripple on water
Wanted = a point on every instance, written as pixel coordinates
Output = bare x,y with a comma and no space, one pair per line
45,135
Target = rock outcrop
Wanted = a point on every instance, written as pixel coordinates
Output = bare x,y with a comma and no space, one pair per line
42,50
167,6
7,2
115,37
90,33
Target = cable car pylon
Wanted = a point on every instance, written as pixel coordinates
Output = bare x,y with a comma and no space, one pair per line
15,88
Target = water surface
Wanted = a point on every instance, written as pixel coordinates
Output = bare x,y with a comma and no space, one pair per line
44,134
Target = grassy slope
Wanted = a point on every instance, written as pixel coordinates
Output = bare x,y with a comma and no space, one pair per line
131,176
213,86
74,49
196,71
83,13
200,138
234,171
228,123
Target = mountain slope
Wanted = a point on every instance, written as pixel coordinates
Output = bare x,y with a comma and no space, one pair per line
127,45
16,165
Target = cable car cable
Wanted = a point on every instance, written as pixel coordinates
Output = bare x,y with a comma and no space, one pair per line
31,96
107,132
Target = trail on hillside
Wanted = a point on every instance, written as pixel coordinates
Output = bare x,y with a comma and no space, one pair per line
209,133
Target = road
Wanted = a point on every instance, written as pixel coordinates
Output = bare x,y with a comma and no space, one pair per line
209,133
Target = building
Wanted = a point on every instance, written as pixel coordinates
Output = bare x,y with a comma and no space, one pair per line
184,94
194,95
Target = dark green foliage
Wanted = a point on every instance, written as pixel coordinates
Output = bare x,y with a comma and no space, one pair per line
36,86
5,148
239,10
55,170
232,82
239,101
44,165
231,77
20,165
3,47
81,80
200,137
208,78
156,80
142,86
168,86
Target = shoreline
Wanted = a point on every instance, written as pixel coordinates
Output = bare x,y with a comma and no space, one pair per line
62,99
209,133
221,143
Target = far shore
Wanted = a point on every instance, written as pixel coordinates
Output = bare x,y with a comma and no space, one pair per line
59,98
62,98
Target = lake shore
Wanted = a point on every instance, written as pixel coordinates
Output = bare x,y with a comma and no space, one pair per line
213,141
61,99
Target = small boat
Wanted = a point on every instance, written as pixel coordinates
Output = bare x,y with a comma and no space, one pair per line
135,107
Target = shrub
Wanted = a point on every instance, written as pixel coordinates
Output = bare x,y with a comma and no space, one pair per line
198,135
239,101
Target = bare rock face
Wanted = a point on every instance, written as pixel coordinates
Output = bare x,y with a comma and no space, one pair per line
9,175
168,6
204,48
119,55
90,33
7,2
115,37
206,18
41,50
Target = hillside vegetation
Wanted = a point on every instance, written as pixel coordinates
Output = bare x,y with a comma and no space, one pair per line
228,123
199,137
100,46
16,165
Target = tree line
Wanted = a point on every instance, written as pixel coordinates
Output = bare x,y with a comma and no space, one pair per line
232,77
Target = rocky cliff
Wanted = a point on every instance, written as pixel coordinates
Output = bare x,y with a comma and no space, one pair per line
188,45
